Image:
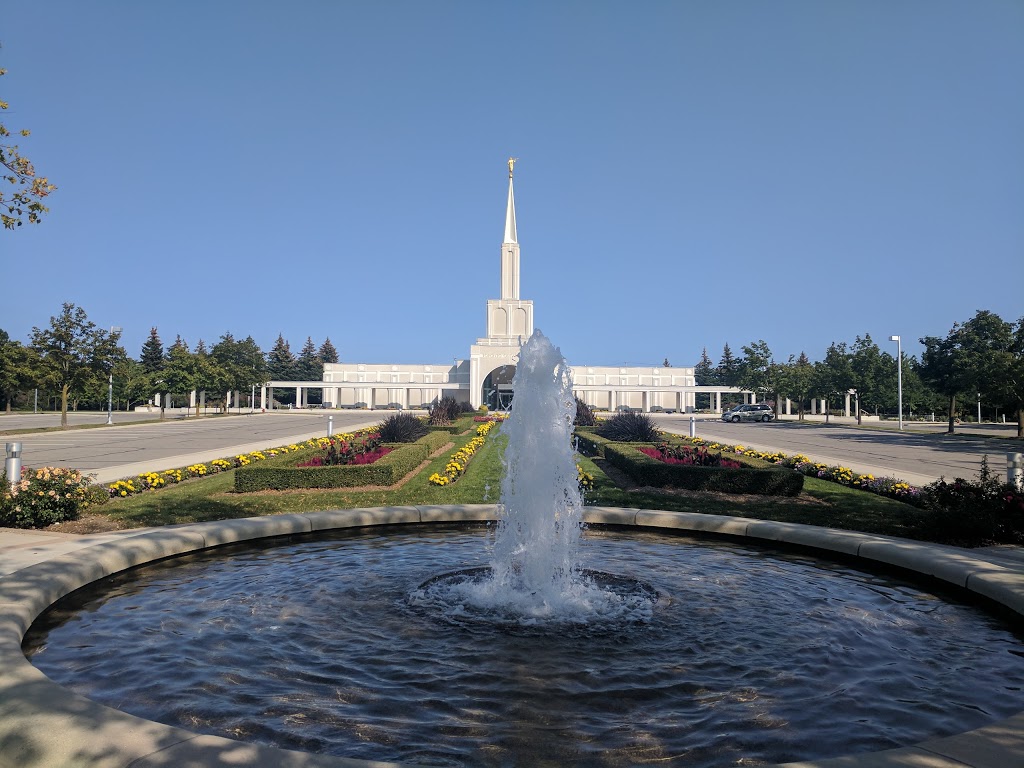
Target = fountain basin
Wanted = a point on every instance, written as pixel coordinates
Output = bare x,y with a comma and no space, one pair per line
44,724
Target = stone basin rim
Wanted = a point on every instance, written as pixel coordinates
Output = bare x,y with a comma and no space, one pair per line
43,724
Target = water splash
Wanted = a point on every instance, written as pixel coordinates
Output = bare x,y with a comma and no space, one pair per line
536,574
536,547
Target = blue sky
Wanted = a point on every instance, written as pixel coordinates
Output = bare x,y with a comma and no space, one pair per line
691,173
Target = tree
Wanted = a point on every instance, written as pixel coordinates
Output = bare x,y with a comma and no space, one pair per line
704,372
281,361
131,383
759,372
242,362
309,366
832,376
728,368
872,375
17,369
24,202
798,381
1011,389
973,357
327,353
71,351
152,362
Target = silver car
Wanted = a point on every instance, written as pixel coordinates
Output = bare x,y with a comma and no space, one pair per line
756,412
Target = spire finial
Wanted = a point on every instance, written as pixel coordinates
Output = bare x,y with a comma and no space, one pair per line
511,161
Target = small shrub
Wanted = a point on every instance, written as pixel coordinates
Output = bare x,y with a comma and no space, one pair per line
584,415
43,497
444,412
401,428
973,511
630,427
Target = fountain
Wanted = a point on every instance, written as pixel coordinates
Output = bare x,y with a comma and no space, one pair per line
536,639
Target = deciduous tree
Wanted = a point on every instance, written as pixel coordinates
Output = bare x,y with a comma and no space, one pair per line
22,190
71,351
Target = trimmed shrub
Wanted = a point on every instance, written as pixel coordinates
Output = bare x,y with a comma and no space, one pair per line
402,428
589,443
646,470
630,427
584,415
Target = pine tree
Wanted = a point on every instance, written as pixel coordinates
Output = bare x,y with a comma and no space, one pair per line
310,366
179,345
704,372
327,353
152,357
281,362
728,370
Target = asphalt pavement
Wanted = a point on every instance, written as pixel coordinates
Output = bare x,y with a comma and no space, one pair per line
919,457
127,449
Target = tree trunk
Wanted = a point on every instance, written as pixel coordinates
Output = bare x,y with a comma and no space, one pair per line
64,407
952,415
1020,423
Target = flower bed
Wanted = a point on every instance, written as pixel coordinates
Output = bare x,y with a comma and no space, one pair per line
457,463
364,448
883,486
649,471
402,458
690,457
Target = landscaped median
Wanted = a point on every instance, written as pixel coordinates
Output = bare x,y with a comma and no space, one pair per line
639,462
280,473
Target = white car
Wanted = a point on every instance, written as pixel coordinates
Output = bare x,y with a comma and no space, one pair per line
757,412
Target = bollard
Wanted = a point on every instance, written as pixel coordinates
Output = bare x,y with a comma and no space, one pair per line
1015,470
330,426
12,467
693,427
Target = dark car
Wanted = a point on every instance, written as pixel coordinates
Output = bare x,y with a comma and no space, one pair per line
756,412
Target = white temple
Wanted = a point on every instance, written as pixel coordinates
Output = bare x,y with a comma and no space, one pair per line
485,377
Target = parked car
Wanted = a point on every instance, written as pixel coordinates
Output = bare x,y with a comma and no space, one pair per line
756,412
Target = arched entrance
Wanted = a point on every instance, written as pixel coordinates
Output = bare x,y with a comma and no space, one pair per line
497,390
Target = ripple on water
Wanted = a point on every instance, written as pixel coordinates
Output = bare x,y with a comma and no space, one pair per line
348,645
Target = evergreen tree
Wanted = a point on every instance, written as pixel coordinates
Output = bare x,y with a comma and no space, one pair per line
327,353
728,371
281,362
201,348
152,357
178,345
704,372
310,366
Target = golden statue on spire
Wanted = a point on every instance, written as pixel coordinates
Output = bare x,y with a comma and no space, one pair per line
511,161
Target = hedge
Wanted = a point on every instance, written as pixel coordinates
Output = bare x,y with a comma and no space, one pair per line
649,471
387,470
591,443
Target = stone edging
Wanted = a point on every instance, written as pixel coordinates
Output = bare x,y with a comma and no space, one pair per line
43,725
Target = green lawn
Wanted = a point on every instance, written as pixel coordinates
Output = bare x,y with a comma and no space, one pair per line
213,498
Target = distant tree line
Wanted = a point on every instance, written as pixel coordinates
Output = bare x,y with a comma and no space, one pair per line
72,363
982,357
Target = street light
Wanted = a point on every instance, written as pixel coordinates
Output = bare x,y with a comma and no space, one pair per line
110,383
899,376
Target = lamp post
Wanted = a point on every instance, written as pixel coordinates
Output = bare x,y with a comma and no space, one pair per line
899,375
110,382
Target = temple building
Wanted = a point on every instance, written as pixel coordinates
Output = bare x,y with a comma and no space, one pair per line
485,376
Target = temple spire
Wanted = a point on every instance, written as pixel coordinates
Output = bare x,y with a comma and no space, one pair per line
510,210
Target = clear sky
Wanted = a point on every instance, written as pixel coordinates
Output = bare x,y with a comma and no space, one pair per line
690,173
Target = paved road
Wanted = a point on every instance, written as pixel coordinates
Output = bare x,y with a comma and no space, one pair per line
915,457
112,453
123,450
